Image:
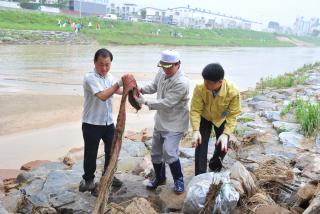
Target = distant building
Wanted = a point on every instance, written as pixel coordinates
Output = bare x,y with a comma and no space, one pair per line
197,18
301,27
151,14
89,7
274,27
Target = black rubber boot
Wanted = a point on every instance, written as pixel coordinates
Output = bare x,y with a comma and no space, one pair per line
160,179
177,175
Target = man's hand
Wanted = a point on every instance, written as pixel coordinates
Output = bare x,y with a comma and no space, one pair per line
141,100
196,139
223,140
120,83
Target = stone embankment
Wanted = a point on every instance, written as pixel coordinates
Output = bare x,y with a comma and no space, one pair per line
262,134
27,37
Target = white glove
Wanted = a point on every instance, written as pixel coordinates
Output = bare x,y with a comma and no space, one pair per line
141,100
120,83
223,140
196,138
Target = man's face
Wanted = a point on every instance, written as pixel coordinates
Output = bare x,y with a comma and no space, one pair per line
212,86
102,65
172,70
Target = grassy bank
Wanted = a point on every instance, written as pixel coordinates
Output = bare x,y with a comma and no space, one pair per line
288,80
128,33
307,115
306,112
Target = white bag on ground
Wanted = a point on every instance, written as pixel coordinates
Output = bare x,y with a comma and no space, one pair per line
198,188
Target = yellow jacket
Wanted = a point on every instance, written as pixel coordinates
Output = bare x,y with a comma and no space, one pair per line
224,106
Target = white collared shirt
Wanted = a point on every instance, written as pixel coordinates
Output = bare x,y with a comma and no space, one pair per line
96,111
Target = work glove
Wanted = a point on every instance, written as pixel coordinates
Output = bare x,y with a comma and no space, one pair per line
141,100
120,83
223,141
196,139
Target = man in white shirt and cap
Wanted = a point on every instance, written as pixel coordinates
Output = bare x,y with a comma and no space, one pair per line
171,119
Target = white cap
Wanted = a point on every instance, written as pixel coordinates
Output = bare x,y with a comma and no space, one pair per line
169,57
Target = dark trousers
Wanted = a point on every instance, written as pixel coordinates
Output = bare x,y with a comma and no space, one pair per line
202,149
92,134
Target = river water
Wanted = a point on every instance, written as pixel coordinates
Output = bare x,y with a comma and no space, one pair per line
58,69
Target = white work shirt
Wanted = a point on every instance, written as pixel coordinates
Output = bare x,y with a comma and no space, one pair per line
171,103
96,111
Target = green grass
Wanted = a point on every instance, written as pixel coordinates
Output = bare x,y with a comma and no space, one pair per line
245,119
288,80
307,115
129,33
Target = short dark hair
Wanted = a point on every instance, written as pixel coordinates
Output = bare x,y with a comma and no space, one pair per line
213,72
105,53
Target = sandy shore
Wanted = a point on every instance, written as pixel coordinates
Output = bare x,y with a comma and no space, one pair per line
46,127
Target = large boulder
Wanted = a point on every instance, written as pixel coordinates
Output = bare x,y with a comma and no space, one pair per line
286,127
291,139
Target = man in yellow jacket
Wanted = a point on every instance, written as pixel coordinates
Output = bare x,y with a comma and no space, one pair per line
215,103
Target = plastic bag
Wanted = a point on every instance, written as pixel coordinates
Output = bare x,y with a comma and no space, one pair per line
198,188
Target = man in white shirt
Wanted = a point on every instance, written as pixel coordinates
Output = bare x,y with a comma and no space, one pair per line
171,119
97,123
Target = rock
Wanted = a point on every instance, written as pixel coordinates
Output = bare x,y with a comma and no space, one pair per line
68,161
6,174
291,139
9,184
133,149
276,96
58,190
76,154
144,168
303,160
305,193
260,98
168,200
314,207
286,127
257,125
143,136
11,201
271,209
24,177
312,169
317,143
313,79
287,91
33,164
262,105
138,206
132,187
246,117
271,115
186,152
3,210
128,164
41,171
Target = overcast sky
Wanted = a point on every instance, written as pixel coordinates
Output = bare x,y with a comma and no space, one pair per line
283,11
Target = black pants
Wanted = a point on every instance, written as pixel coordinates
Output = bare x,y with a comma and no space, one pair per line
92,134
202,149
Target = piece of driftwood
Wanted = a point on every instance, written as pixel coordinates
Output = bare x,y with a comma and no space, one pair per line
211,198
129,84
